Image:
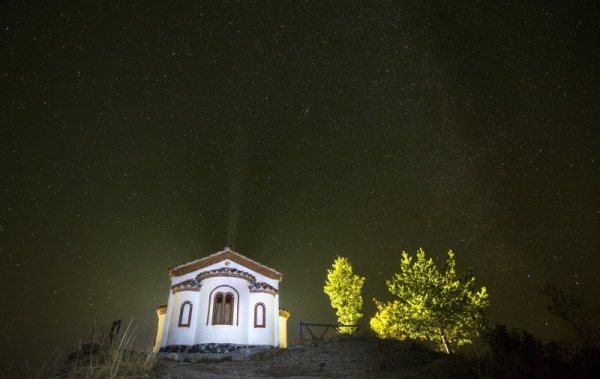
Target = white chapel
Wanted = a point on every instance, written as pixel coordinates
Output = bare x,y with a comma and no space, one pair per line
224,299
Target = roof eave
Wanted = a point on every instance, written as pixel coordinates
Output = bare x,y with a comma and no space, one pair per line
233,256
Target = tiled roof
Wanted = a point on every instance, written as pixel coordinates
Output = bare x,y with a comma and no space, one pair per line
226,254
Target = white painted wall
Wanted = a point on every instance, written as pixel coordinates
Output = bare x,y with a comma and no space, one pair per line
261,336
164,341
275,320
178,335
202,330
236,333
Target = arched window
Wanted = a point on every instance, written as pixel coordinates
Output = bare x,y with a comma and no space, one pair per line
223,307
259,315
185,314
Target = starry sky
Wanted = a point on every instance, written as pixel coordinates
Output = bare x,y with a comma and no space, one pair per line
137,135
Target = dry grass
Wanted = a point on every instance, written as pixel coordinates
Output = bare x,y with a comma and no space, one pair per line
115,359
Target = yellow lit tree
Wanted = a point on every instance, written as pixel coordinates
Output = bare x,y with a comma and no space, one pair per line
431,304
344,290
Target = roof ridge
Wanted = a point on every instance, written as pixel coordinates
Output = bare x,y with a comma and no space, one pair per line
180,269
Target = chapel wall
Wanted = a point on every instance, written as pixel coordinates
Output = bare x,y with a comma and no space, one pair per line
261,335
199,287
207,331
183,335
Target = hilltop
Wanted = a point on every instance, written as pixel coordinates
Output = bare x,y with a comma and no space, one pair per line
362,356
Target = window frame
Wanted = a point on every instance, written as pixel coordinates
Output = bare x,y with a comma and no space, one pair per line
181,324
222,288
263,324
220,313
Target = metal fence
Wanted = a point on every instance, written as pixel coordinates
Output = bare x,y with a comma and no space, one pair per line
317,332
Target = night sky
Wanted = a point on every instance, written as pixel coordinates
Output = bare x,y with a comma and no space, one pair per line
134,137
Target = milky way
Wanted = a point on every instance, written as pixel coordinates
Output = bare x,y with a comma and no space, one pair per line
135,137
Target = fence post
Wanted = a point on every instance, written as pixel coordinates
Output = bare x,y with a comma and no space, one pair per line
335,327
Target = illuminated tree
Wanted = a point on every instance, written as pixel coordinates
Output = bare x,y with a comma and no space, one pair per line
431,304
343,288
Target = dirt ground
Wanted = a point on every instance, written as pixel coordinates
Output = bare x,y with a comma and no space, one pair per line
358,357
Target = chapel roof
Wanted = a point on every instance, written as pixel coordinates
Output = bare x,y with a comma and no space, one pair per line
225,254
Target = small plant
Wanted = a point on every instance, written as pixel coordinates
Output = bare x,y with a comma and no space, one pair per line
110,358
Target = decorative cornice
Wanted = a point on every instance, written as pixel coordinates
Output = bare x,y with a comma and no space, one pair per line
227,272
284,313
161,310
221,256
263,287
186,285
